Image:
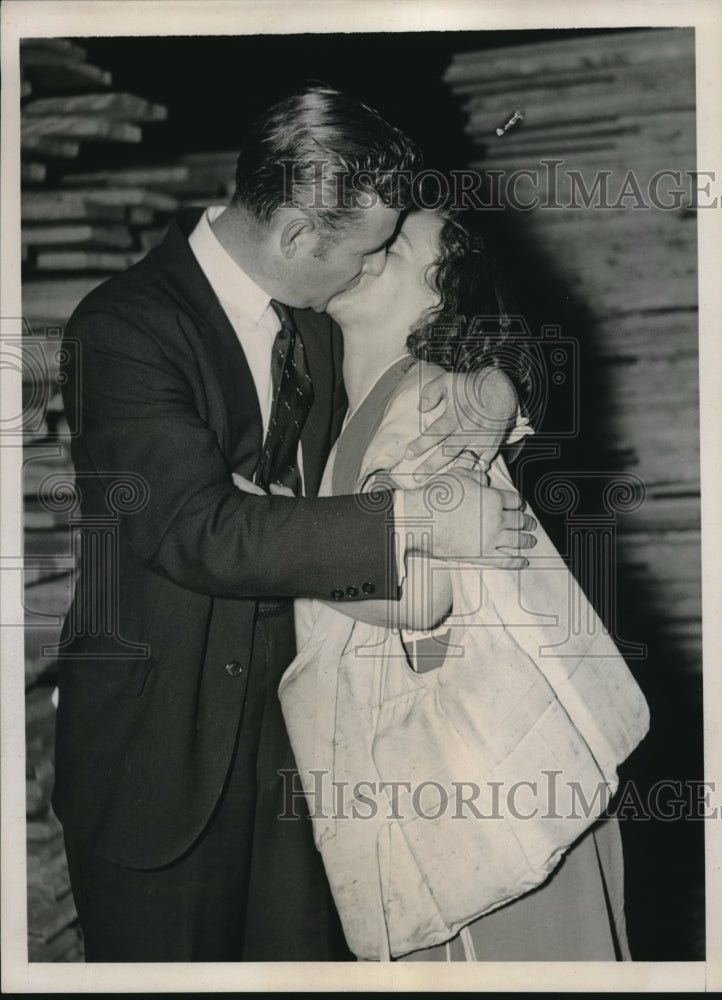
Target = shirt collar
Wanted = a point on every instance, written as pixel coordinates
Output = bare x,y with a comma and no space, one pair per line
227,279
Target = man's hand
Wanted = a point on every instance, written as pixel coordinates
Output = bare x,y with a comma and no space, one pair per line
455,516
476,411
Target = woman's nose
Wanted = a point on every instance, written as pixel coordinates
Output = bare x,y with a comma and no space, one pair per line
375,263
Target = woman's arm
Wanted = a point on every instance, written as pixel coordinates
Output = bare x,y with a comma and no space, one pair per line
488,405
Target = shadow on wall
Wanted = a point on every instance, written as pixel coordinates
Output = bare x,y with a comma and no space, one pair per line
664,857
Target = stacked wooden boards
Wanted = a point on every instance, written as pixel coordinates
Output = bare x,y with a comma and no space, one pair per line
79,225
596,173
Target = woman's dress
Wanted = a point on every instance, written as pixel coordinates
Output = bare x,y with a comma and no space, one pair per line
578,912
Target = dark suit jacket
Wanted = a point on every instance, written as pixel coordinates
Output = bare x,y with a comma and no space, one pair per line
166,403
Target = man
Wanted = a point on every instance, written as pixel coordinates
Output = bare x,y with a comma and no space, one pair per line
169,735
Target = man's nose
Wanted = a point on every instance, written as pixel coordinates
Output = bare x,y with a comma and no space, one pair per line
375,263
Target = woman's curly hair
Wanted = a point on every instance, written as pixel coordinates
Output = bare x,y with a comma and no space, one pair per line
470,328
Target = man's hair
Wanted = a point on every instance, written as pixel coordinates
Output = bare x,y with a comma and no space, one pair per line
324,151
469,329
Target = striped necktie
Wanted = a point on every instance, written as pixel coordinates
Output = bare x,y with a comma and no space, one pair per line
292,400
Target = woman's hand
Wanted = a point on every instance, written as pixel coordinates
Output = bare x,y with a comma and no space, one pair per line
248,487
476,413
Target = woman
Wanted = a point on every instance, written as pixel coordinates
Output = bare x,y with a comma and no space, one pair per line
435,278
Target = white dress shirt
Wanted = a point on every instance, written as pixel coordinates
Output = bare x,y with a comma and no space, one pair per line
247,307
245,304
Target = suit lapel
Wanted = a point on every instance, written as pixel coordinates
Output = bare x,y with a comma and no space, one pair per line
240,429
239,425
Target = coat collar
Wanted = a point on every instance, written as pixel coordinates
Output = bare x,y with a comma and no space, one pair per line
177,264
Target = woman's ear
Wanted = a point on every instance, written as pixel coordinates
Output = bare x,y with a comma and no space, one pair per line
296,232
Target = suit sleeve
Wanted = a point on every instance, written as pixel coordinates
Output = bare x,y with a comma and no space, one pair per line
138,415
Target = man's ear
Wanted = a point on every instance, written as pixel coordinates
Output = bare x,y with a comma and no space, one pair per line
297,233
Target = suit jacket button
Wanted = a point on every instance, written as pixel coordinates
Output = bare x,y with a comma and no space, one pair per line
234,668
337,595
352,591
368,588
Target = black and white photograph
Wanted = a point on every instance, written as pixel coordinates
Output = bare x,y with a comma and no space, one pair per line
360,373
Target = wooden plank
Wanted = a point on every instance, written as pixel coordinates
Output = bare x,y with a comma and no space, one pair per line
198,202
61,73
658,383
51,148
38,706
58,205
53,300
38,520
677,512
37,797
636,275
647,335
32,173
641,162
673,555
159,176
619,128
675,229
56,563
614,232
47,918
630,80
672,133
97,235
87,127
64,947
44,850
586,102
150,238
48,597
138,216
84,260
34,429
42,48
124,196
37,639
40,361
45,832
226,157
583,55
124,106
38,761
47,545
49,879
36,470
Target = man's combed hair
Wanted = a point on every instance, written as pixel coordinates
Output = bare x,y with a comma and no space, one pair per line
470,328
325,151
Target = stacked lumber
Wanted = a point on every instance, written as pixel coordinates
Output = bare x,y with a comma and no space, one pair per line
623,104
79,225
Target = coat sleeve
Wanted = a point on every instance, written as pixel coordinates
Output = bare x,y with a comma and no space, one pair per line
137,414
